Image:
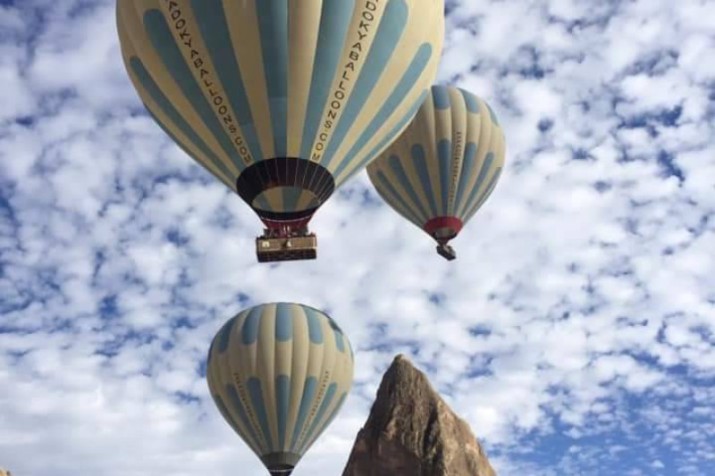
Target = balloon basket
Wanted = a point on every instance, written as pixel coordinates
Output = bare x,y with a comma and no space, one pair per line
447,252
286,247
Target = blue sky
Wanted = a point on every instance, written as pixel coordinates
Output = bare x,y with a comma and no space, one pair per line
574,333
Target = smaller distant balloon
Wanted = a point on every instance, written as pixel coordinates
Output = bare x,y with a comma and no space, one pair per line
442,169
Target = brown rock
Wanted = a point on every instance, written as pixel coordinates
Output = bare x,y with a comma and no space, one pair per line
5,473
412,432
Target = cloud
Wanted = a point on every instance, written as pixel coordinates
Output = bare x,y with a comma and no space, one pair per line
574,332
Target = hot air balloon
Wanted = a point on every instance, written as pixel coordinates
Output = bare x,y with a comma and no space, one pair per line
282,100
279,374
444,166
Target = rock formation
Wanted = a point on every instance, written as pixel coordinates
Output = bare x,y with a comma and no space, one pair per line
5,473
412,432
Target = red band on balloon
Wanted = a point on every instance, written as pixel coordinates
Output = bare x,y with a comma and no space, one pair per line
435,224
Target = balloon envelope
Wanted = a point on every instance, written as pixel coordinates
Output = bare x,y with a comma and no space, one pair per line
444,166
279,374
282,100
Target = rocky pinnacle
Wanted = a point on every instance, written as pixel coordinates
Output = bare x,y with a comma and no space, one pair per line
412,432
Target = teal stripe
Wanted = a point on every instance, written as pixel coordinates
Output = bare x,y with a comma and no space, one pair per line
386,39
211,18
388,139
403,179
444,155
493,116
170,111
336,410
489,190
258,403
403,88
338,334
227,416
333,325
316,427
160,35
291,196
273,26
385,184
225,335
440,95
332,416
339,340
311,384
419,160
282,404
470,154
484,171
471,101
251,326
334,23
284,322
315,330
242,414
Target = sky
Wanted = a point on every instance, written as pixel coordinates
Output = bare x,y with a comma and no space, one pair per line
575,332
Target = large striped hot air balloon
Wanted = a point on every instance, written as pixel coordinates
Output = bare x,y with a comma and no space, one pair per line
279,374
444,166
282,100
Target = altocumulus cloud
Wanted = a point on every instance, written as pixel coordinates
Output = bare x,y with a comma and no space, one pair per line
575,332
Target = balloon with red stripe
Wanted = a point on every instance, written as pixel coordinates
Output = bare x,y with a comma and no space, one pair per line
444,166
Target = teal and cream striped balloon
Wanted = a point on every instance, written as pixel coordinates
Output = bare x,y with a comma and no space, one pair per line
444,166
279,374
282,100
